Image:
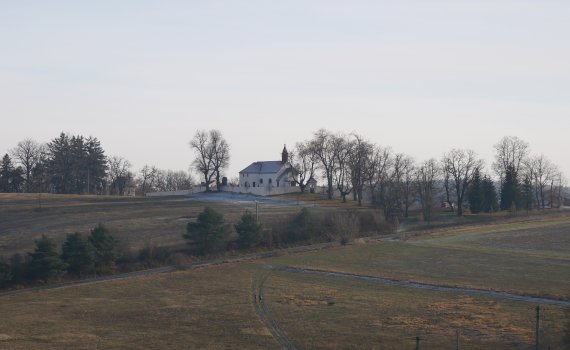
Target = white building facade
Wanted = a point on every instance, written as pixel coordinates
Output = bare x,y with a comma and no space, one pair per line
269,177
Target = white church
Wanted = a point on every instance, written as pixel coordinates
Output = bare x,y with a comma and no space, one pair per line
269,177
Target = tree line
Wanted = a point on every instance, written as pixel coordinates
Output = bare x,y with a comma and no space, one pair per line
74,164
350,165
354,166
81,255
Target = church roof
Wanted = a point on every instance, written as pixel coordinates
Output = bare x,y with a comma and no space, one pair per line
268,167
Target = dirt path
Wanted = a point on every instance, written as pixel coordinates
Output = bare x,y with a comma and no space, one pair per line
426,286
265,315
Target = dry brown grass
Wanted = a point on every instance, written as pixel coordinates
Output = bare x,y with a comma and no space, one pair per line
490,257
328,313
208,308
135,221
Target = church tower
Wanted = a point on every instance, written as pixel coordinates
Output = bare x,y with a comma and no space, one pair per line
284,155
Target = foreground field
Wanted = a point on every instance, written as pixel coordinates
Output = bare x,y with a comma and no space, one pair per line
215,307
498,256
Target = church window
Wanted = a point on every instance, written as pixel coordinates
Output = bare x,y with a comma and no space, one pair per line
261,181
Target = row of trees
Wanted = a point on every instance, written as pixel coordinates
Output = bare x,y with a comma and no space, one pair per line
352,165
95,253
73,164
210,233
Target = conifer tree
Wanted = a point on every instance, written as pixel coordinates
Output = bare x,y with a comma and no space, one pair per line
490,201
248,230
45,262
475,193
78,253
209,233
5,273
106,248
510,191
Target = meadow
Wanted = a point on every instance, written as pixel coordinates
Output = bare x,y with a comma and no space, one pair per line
214,307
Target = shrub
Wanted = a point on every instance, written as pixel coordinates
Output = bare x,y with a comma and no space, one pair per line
209,233
248,230
78,253
46,263
106,249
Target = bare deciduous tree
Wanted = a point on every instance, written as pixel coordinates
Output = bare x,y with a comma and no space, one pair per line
426,175
305,162
342,173
359,162
378,173
407,183
542,173
28,153
119,175
459,166
212,155
221,155
323,147
511,153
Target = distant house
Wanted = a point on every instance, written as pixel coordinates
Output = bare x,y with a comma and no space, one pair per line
269,177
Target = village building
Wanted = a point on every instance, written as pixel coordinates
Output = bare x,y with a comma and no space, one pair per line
269,177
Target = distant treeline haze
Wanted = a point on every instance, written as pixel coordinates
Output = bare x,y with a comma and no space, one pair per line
350,166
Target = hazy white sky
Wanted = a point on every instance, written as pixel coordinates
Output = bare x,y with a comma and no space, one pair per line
420,76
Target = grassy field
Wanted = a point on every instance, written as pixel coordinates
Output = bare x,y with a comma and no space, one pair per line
209,308
212,307
137,221
527,257
323,312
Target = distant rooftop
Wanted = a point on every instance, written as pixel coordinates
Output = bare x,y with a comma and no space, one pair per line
268,167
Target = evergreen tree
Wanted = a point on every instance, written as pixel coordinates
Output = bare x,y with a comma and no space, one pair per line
78,253
45,262
490,200
510,191
248,230
19,268
78,164
96,165
475,194
11,178
60,164
526,196
106,248
209,233
5,273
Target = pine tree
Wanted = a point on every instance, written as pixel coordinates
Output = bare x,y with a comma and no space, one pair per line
490,201
96,165
209,233
45,262
11,178
510,190
248,230
5,273
526,196
106,248
475,195
78,253
60,164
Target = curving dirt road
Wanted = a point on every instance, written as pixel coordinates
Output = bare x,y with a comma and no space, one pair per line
265,315
426,286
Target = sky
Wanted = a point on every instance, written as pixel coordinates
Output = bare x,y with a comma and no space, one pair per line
421,77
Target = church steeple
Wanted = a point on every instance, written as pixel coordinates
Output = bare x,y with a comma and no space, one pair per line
284,155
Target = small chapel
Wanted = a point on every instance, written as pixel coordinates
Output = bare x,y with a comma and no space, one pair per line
270,174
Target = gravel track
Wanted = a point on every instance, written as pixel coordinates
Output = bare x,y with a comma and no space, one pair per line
265,315
426,286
